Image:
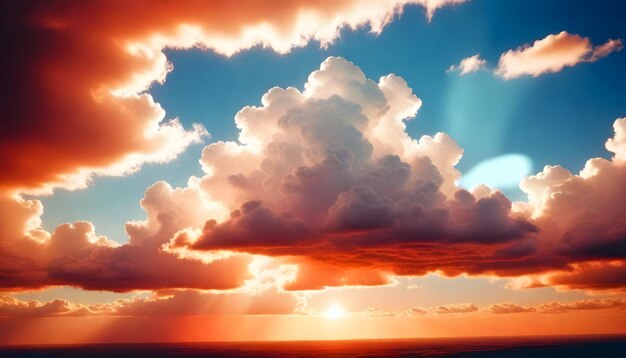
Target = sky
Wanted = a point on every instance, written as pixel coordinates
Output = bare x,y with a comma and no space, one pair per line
190,171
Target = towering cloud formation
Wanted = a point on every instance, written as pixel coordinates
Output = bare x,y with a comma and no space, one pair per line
330,175
552,54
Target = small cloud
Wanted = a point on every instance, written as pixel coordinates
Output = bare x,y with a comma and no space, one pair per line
469,65
508,308
460,308
417,311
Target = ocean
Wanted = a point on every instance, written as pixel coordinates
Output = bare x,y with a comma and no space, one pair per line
535,347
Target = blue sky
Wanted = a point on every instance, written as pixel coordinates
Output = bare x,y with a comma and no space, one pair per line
561,118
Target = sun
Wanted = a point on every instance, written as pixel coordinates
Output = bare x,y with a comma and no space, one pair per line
335,312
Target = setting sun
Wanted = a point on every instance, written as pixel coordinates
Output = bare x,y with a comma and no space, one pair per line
335,312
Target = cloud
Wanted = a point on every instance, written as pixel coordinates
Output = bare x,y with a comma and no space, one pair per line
163,303
469,65
453,309
614,304
462,308
604,50
617,144
561,307
74,255
582,218
583,305
552,54
270,302
601,276
329,180
77,76
253,225
331,174
508,308
11,307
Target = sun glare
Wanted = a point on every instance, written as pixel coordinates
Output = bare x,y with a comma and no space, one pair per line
334,312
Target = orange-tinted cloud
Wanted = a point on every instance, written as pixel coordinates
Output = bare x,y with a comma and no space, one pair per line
583,305
560,307
608,276
614,304
59,83
270,302
507,308
552,54
175,303
11,307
